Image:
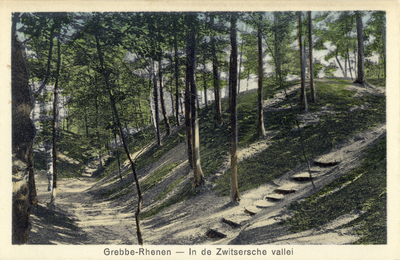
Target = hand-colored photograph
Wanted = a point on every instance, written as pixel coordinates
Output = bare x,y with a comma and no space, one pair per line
218,128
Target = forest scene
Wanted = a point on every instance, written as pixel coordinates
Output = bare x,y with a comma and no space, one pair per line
189,128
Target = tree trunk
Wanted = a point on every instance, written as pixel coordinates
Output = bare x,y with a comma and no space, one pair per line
384,45
240,67
218,110
188,121
172,103
112,102
155,96
340,64
260,119
24,189
310,59
234,194
152,112
302,72
198,179
164,112
348,60
360,53
176,74
54,150
205,84
276,45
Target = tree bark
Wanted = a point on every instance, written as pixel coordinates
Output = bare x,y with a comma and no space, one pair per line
310,59
112,103
205,84
218,110
164,112
384,45
198,179
155,96
240,67
340,64
176,74
260,119
54,150
188,121
234,193
22,141
360,53
304,104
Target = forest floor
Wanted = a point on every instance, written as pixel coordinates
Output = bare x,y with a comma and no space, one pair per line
85,213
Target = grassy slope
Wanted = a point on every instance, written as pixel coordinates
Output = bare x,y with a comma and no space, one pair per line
286,153
368,192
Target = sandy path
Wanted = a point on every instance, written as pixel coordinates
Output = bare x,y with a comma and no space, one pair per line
100,221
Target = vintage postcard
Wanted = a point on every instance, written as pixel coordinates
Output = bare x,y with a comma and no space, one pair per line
200,129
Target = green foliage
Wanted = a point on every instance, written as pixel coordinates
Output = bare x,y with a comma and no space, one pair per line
185,193
157,176
39,161
158,151
135,143
69,170
169,188
285,152
381,82
328,71
317,67
47,97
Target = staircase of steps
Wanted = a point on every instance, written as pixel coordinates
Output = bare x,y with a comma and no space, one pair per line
238,220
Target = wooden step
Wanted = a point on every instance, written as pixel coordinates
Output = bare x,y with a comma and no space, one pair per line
274,197
286,189
302,177
215,234
230,223
325,164
264,204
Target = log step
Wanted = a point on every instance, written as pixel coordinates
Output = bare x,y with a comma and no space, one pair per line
274,197
327,164
302,177
286,189
215,234
264,204
230,223
251,213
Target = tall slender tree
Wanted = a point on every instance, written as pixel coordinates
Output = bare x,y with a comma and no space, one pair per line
234,191
118,122
163,110
218,110
54,150
303,96
260,119
360,50
310,59
198,179
176,70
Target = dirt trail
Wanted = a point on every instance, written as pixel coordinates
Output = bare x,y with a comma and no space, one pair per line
81,216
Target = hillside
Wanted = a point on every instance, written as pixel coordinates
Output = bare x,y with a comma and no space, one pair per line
344,138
